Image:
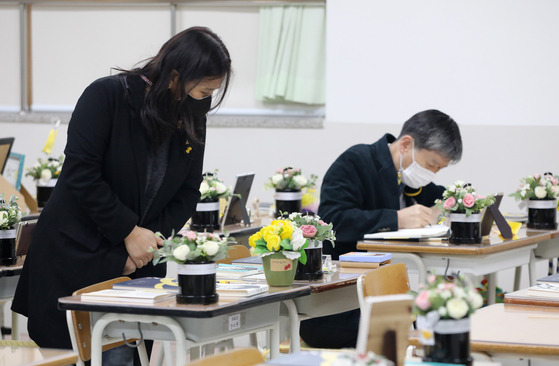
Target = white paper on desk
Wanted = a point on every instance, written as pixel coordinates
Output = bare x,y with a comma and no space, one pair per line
433,231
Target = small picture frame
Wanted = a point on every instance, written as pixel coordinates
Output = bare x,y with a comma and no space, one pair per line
13,171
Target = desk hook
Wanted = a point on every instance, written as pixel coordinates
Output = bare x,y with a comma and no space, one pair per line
446,277
132,345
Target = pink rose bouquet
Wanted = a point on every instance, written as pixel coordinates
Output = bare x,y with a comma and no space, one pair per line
313,227
462,198
454,298
537,187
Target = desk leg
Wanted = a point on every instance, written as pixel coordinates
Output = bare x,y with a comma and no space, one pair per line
15,326
173,325
274,341
532,268
294,323
517,277
491,288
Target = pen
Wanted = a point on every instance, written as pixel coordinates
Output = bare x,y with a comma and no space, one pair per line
229,281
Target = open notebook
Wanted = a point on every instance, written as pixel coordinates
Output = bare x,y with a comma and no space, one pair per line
432,231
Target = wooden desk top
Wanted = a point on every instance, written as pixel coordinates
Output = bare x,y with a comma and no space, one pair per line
521,329
171,308
489,245
33,356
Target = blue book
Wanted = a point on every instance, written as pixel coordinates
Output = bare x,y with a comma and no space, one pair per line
368,257
157,284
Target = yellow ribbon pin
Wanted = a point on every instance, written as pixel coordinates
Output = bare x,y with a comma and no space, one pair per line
52,136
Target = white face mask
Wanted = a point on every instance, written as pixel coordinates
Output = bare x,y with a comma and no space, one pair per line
415,176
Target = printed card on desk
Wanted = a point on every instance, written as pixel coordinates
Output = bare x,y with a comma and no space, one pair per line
432,231
369,257
127,296
151,284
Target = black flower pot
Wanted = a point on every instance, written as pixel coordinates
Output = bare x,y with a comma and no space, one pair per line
542,214
206,217
452,342
8,247
44,191
197,283
312,270
288,201
465,230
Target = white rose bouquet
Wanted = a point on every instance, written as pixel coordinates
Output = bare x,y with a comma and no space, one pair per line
191,247
45,170
213,188
455,298
290,179
10,214
280,236
537,187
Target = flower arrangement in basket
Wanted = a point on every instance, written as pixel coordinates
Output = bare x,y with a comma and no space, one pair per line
462,198
313,227
280,236
213,188
191,247
45,170
290,179
453,298
10,213
537,187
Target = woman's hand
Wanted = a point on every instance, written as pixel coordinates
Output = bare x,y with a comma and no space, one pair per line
138,243
129,267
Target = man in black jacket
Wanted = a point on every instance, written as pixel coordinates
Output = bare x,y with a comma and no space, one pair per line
385,186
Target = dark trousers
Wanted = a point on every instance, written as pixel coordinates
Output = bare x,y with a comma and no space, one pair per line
332,331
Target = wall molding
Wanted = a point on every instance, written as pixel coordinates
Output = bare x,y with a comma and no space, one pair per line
214,121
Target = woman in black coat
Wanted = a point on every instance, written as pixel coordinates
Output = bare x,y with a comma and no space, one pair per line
133,167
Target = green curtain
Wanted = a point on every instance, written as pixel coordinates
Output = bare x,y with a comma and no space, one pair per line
292,54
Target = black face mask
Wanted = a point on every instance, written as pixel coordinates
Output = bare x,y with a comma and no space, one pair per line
199,107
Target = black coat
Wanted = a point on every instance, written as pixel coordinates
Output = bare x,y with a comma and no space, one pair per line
79,238
360,195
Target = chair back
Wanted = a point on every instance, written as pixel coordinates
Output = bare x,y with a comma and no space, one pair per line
82,324
235,252
238,357
24,233
390,279
384,326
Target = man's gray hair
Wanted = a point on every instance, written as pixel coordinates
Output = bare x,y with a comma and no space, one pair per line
433,130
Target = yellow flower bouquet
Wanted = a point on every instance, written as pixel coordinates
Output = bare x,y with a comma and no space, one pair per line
280,236
280,244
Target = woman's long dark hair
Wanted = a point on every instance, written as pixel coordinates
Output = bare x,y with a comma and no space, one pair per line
194,54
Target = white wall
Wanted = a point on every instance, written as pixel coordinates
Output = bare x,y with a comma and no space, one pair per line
484,62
